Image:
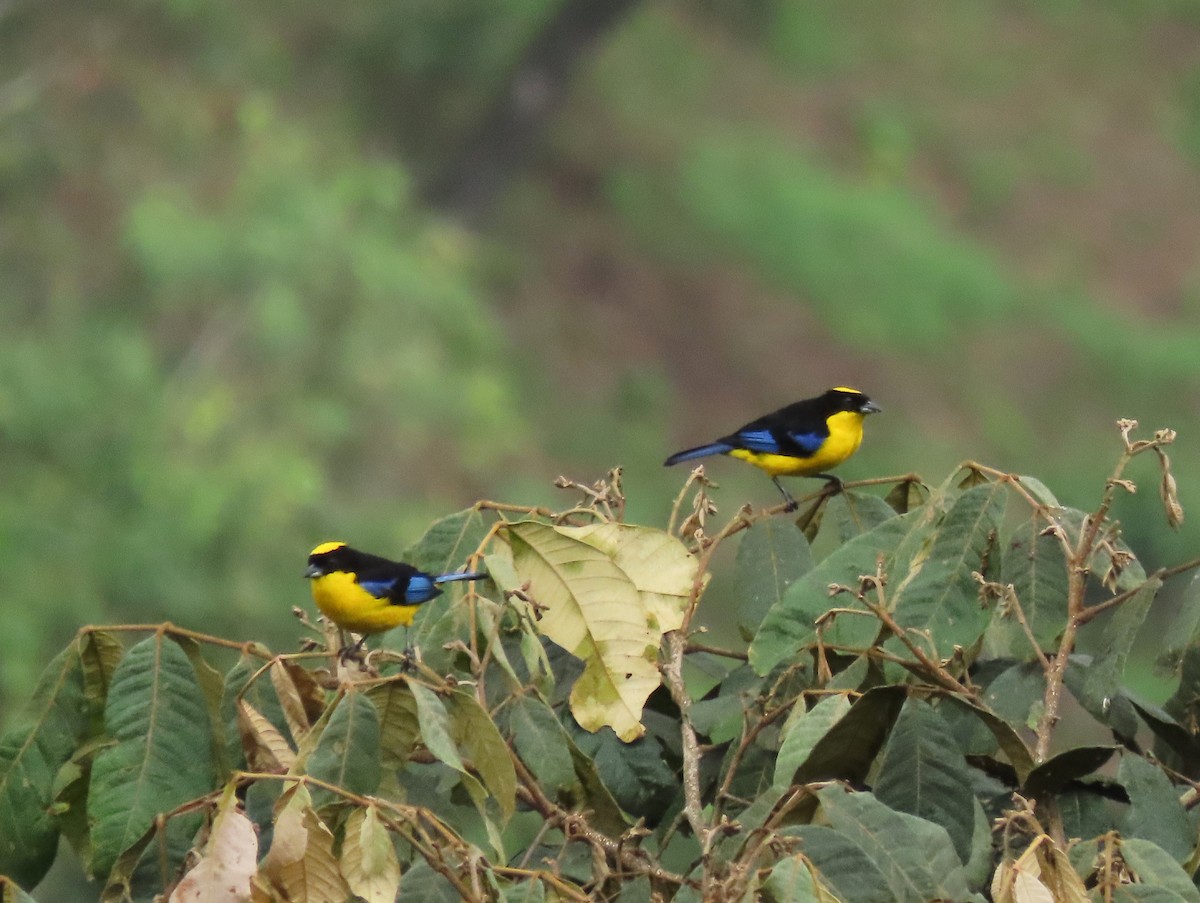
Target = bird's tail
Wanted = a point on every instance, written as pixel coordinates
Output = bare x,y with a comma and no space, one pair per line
703,451
450,578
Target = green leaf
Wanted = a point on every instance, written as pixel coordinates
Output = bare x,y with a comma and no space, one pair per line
100,653
1104,678
542,743
594,611
213,685
606,814
802,730
772,555
532,891
792,881
1154,866
916,857
939,595
399,727
799,735
1039,491
921,774
978,866
477,735
843,865
637,890
907,495
1183,632
41,741
1085,812
1015,692
436,728
852,514
260,696
449,541
1184,704
1036,566
1017,751
347,754
790,623
847,749
1155,812
422,884
162,753
636,773
1056,772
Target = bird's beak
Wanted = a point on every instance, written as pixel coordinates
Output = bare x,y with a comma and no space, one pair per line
312,571
869,407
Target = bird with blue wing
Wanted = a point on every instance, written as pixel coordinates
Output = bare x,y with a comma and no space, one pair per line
369,594
804,439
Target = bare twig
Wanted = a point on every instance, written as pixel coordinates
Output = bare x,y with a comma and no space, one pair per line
875,583
1079,559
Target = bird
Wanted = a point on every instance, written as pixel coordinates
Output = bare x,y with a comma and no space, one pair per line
804,439
369,594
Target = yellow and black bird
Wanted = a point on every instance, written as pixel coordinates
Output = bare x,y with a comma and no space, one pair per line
369,594
804,439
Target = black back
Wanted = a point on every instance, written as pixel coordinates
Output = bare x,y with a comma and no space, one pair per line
801,426
371,571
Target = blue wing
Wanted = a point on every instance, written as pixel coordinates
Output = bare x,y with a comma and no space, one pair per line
758,441
810,442
380,589
420,589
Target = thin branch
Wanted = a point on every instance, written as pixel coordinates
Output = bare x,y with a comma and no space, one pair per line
1078,568
876,582
693,808
575,826
713,650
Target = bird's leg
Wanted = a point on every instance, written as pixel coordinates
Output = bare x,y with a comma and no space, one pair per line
792,504
410,655
833,484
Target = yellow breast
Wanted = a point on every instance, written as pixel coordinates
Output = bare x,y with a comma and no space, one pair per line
845,436
351,607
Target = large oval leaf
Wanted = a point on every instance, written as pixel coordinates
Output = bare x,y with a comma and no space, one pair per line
592,609
162,752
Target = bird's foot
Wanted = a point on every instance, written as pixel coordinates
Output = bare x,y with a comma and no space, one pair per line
353,652
833,484
408,659
789,503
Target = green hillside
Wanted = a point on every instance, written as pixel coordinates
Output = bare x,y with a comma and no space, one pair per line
234,321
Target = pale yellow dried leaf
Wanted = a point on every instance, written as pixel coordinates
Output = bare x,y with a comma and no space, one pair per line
289,700
1060,876
594,611
368,858
659,564
601,698
1028,888
229,862
300,863
1002,880
268,750
262,892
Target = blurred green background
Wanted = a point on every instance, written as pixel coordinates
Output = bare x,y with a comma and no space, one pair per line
274,273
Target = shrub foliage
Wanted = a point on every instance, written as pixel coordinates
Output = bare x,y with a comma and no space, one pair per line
928,703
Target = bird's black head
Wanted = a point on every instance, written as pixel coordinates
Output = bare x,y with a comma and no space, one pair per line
329,558
844,398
